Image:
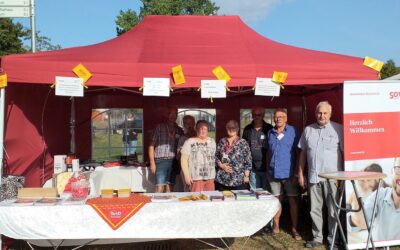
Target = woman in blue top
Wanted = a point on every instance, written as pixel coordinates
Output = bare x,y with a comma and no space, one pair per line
233,159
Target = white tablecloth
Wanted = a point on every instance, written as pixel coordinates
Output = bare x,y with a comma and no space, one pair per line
155,221
138,179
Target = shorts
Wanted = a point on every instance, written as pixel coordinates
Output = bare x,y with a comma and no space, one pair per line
283,186
163,171
176,170
202,185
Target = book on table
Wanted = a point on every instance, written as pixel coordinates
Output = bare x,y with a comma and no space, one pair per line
244,195
263,194
162,197
23,202
228,195
47,202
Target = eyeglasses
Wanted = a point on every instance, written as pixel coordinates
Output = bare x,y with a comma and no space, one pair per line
396,170
279,117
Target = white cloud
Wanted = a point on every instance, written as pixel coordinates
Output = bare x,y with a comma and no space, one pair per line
249,10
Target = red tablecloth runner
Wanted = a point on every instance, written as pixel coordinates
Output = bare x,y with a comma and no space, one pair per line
116,211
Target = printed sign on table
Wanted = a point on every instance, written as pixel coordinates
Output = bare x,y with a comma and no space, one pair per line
69,86
213,89
371,142
266,87
156,86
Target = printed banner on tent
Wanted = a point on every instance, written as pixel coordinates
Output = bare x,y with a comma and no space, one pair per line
69,86
213,89
266,87
156,86
371,142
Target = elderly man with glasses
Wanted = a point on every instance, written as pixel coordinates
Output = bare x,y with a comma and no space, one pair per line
256,134
387,217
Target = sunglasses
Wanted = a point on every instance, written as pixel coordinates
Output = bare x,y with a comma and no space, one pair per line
256,114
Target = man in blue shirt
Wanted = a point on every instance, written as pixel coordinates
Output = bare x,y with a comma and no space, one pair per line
281,163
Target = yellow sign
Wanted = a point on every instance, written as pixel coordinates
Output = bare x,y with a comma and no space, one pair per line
221,74
177,73
279,77
3,81
373,63
82,72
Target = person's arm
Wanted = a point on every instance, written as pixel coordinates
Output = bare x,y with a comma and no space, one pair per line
151,159
185,169
300,169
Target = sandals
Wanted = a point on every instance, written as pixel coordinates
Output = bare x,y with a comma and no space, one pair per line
296,236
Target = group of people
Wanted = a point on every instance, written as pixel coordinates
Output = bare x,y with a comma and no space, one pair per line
269,157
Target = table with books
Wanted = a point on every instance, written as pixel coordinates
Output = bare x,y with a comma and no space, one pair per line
167,216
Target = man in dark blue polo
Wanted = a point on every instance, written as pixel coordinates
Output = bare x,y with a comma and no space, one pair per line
281,163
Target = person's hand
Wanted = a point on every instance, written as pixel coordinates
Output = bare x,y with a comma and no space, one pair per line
302,181
188,180
226,168
152,168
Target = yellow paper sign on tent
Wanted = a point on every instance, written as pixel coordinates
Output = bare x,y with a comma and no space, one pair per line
221,74
177,74
279,77
373,63
3,81
82,72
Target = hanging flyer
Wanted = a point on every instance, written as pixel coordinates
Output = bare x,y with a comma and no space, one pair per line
69,86
213,89
266,87
156,86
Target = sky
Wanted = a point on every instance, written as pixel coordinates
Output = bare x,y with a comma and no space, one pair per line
351,27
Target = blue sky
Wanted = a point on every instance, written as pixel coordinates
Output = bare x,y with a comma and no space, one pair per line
352,27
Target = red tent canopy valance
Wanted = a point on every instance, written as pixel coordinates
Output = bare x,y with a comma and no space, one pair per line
198,43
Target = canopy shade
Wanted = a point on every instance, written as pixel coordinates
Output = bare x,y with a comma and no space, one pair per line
199,44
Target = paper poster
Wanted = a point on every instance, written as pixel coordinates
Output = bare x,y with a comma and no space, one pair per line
82,72
69,86
221,74
266,87
156,86
371,142
213,89
177,74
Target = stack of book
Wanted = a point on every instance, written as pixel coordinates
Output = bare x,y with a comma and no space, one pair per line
228,195
244,195
162,197
263,194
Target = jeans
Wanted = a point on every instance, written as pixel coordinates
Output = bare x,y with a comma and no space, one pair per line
163,171
130,147
258,179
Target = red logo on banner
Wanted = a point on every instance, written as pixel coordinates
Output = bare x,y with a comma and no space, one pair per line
116,211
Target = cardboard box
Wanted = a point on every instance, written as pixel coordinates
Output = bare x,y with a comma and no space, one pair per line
37,193
59,164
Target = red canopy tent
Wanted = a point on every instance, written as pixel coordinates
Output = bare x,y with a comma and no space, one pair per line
36,119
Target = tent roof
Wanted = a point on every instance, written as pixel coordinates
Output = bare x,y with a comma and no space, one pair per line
198,43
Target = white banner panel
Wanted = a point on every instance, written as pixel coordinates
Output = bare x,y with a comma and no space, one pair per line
371,96
371,140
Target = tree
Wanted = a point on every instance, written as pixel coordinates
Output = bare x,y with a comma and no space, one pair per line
43,43
389,69
126,20
10,34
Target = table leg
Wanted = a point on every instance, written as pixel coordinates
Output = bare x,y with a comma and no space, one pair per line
361,204
330,194
341,194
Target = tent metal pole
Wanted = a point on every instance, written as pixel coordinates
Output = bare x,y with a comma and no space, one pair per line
72,126
2,113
